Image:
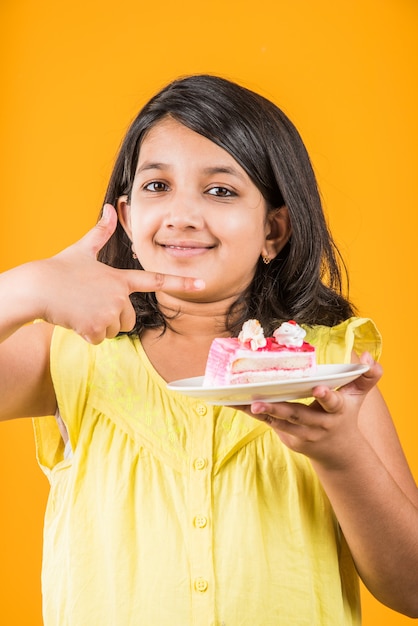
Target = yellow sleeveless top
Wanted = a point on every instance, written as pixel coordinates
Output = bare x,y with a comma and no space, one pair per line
175,513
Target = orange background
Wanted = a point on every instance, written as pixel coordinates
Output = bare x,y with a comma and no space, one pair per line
74,73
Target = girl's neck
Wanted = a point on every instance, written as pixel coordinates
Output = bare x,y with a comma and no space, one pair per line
182,350
196,320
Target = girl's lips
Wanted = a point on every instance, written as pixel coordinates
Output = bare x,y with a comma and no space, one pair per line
184,249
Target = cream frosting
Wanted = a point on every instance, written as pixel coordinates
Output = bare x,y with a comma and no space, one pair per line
252,333
289,334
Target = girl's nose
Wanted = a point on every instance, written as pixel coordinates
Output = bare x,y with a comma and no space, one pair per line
184,211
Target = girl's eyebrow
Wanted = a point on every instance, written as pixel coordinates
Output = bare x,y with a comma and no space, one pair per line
211,170
224,169
148,165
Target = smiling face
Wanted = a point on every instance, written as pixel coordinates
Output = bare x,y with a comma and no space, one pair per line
194,211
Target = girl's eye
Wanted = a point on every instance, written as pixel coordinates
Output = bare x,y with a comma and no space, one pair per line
221,192
156,185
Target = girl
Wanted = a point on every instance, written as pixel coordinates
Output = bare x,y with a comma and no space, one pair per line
163,510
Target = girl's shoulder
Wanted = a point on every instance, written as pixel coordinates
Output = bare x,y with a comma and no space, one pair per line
335,344
74,358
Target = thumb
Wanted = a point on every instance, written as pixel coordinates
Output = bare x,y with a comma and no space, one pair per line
370,378
95,239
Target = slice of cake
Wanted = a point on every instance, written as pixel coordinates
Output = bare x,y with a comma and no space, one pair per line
253,358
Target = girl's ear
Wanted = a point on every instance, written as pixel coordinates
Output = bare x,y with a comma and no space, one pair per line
278,231
123,209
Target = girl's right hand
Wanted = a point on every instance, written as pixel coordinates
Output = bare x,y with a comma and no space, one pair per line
74,290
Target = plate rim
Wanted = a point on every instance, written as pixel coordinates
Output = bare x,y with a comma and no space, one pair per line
350,368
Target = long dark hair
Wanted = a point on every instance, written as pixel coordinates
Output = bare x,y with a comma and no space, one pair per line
305,281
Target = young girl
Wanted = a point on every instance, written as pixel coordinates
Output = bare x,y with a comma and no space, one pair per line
163,510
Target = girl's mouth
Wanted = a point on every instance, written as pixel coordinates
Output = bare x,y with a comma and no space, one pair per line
186,249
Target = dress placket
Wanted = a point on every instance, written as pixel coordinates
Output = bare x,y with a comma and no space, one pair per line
200,517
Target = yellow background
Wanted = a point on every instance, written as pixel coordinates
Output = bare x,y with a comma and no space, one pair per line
74,73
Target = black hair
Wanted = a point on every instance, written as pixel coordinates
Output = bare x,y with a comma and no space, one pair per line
305,280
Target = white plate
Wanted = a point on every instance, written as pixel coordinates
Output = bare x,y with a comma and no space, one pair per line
277,391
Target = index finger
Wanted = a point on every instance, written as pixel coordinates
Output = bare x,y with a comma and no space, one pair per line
142,280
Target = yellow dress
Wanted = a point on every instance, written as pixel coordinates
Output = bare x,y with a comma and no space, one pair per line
175,513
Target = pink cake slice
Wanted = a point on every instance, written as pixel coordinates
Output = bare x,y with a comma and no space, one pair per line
232,361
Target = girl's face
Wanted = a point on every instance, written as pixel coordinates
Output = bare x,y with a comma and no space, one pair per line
195,212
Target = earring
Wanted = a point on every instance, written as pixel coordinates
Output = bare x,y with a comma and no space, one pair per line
266,259
133,252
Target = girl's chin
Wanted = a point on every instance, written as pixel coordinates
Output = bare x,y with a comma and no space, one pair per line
206,296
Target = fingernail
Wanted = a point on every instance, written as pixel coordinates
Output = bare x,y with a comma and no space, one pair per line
257,408
106,212
199,284
367,358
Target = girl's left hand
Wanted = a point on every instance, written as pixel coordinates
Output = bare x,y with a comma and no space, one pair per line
328,426
350,438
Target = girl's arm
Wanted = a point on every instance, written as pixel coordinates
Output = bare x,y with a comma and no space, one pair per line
25,382
351,441
73,290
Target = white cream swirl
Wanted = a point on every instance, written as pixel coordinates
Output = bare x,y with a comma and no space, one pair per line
289,334
253,334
